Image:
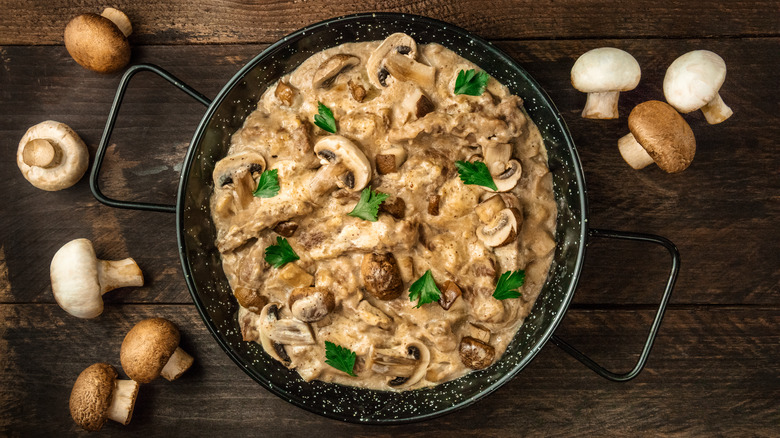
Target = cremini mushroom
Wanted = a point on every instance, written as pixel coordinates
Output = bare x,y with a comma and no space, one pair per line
449,293
98,395
236,177
79,279
506,171
476,354
285,93
404,367
413,106
693,81
343,165
286,228
433,204
603,73
509,177
99,42
500,223
151,349
327,73
310,304
276,350
52,156
381,275
357,90
250,298
658,134
390,159
396,57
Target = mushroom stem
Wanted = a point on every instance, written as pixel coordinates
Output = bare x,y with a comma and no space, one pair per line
41,153
119,19
716,111
178,363
113,274
601,105
325,179
635,155
123,401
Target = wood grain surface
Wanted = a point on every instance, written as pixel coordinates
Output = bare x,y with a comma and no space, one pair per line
713,371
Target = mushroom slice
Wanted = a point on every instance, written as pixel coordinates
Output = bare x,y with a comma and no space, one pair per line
331,68
399,43
239,172
373,316
502,230
507,180
311,304
269,315
52,156
476,354
343,165
405,368
404,69
450,292
488,209
283,331
497,156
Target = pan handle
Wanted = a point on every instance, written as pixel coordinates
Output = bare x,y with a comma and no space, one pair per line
659,315
101,151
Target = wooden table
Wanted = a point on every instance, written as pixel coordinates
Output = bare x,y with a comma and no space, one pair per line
714,368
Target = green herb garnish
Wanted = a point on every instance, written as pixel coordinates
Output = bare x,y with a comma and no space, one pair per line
508,284
368,206
268,185
340,358
280,254
325,118
475,173
424,290
470,82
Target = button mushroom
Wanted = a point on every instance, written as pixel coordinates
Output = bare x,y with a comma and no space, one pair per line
404,68
501,229
239,173
603,73
692,82
151,349
276,332
405,368
98,395
99,42
52,156
327,73
396,57
343,165
381,276
390,159
310,304
658,134
476,354
79,279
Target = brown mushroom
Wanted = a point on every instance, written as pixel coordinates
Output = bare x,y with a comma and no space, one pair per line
283,331
343,165
658,134
286,228
476,354
381,276
399,43
357,91
310,304
151,349
99,42
449,293
331,68
433,205
250,299
239,174
99,395
52,156
285,93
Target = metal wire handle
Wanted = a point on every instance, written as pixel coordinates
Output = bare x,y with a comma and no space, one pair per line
101,151
659,315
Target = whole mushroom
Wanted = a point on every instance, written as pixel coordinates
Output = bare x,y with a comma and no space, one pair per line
381,275
151,349
52,156
692,82
476,354
99,42
658,134
98,395
79,279
603,73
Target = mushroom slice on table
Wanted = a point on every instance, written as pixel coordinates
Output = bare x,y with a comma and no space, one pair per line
343,165
311,304
381,275
603,73
693,81
476,354
501,229
240,173
99,42
327,73
79,279
98,395
52,156
151,349
397,43
658,134
405,368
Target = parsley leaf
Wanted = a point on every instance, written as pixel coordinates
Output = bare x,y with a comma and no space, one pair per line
470,82
368,206
508,284
280,254
268,185
325,118
424,290
340,358
475,173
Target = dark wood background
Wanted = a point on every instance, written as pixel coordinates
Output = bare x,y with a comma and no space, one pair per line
713,371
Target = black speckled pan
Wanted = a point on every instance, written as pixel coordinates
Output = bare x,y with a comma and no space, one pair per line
201,261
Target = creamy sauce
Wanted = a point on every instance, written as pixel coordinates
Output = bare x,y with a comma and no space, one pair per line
332,245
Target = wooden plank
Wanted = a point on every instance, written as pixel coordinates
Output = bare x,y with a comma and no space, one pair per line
211,21
721,212
712,372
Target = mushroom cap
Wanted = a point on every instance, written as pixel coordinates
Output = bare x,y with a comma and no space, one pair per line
147,348
96,43
74,279
91,396
73,162
395,43
664,134
693,80
605,69
334,149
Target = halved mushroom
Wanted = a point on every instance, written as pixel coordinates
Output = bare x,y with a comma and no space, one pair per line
331,68
311,304
269,315
373,316
497,156
239,172
404,69
405,367
382,276
390,159
343,165
508,178
502,229
250,299
476,354
399,43
488,209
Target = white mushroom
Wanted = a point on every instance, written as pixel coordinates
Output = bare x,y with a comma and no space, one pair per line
98,395
502,229
508,178
331,68
236,177
99,42
52,156
396,57
343,165
405,367
310,304
603,73
79,279
692,82
151,349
